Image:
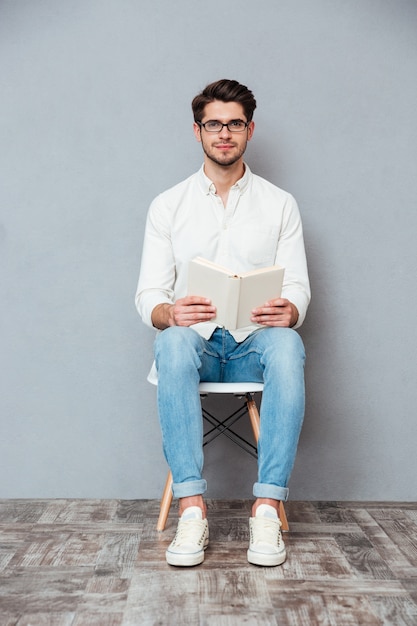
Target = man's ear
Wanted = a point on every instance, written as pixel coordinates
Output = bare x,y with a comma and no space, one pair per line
251,130
197,131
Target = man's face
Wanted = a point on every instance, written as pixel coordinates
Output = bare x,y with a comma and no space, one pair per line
224,147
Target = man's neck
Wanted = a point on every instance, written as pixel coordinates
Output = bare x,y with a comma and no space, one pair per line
224,177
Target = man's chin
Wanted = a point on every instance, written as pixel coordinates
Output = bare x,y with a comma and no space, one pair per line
223,158
226,161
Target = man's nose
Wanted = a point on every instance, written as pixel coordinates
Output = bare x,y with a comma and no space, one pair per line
225,132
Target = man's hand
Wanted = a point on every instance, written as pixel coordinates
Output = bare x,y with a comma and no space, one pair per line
185,312
277,312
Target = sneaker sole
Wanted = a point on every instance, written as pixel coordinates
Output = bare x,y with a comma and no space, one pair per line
266,560
185,560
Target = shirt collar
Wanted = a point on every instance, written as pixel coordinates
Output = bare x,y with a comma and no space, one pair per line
207,185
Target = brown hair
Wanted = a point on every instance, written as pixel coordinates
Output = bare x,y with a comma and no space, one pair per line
225,91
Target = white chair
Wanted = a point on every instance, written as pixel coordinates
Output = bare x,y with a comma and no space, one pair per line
245,391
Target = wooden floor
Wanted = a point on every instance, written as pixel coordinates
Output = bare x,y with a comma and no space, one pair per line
101,562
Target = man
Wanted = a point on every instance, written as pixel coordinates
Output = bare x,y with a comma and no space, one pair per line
232,217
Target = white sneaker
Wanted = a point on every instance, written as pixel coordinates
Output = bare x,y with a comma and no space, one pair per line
266,546
191,539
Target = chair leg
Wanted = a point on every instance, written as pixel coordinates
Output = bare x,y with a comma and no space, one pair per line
253,416
166,501
283,517
256,425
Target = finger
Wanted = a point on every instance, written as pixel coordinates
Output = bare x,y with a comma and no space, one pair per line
197,308
194,314
271,315
280,302
273,310
191,300
282,322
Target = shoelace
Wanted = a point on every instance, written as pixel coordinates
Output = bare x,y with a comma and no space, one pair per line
266,530
190,531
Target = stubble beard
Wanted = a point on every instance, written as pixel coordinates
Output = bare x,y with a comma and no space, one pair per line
227,161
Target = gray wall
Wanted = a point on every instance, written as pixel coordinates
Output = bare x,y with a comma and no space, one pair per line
95,120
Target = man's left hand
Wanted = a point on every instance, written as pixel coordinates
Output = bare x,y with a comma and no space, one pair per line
277,312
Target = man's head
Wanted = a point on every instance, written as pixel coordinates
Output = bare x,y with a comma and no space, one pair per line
223,121
225,91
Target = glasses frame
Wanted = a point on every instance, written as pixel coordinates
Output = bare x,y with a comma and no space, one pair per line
203,125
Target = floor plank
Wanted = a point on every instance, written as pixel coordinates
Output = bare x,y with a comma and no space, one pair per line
69,562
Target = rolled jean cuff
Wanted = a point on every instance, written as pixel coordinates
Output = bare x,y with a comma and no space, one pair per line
190,488
263,490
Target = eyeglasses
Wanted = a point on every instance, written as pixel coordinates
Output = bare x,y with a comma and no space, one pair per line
214,126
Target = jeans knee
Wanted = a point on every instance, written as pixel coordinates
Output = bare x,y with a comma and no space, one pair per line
294,343
175,346
286,344
171,336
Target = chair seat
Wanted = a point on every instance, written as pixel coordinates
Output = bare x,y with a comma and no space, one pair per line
237,388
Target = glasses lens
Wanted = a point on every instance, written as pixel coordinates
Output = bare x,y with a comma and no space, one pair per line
212,126
236,126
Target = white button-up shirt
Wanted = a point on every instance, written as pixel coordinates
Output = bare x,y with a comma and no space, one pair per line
259,227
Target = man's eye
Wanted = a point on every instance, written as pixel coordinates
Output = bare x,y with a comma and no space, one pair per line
236,124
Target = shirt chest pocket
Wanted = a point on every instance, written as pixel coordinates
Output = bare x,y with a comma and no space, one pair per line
258,244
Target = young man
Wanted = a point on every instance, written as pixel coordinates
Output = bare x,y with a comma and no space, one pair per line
232,217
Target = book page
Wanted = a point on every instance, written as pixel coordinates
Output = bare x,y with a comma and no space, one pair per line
223,289
255,289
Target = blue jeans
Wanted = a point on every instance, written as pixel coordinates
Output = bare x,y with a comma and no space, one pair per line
274,356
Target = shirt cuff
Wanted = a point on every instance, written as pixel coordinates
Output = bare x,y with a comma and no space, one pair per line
146,302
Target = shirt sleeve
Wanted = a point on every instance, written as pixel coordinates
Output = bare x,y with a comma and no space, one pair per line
291,255
157,270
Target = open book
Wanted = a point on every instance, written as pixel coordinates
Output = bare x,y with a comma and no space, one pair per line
234,295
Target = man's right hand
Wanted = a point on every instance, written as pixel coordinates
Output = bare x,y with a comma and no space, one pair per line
184,312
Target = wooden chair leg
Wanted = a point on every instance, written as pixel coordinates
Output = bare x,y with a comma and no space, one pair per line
253,416
283,517
166,501
256,425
